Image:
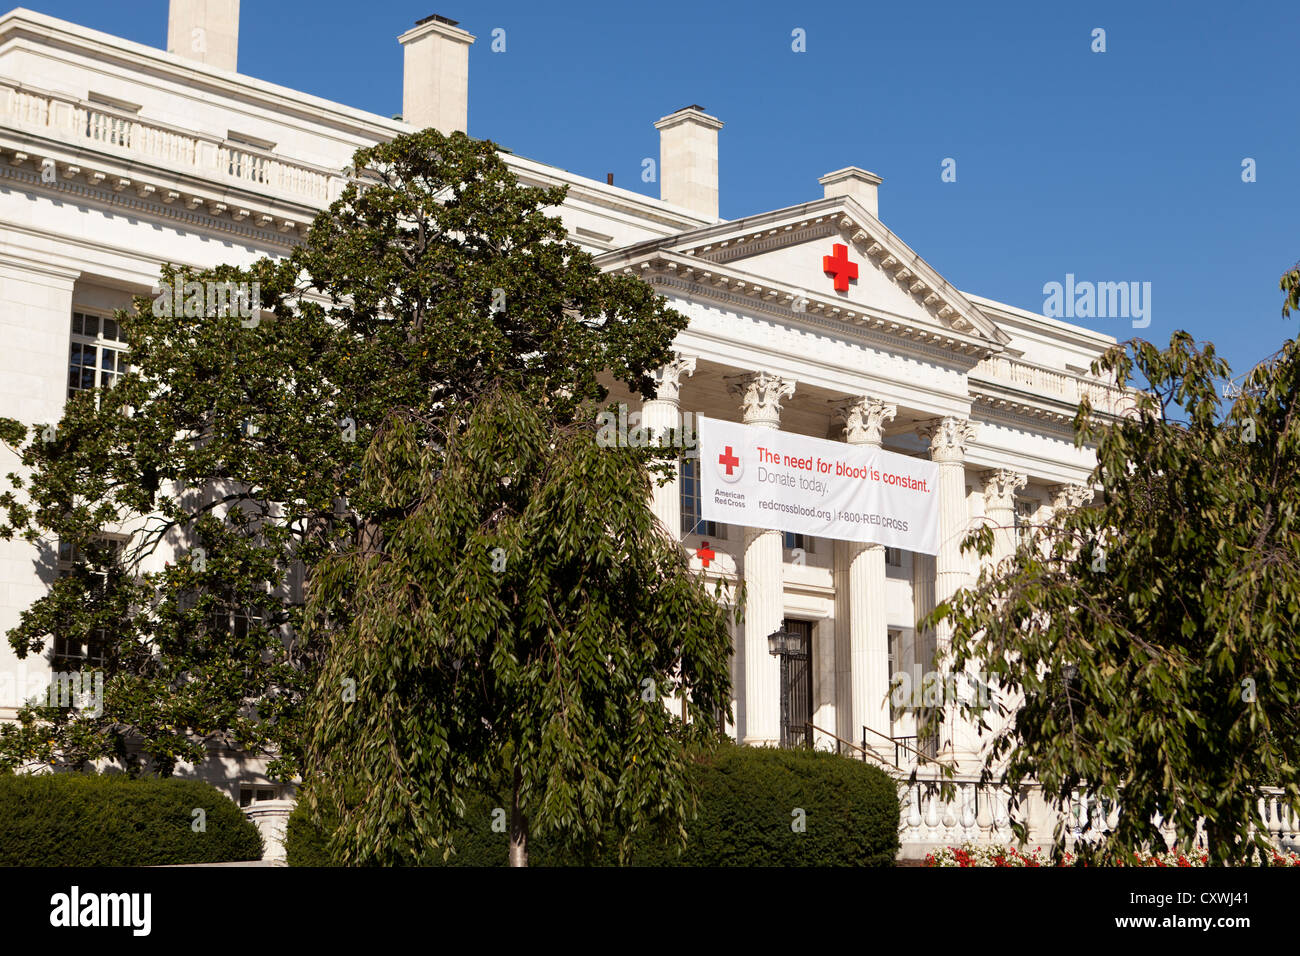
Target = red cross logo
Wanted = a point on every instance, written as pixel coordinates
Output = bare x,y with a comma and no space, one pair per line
705,554
729,466
839,266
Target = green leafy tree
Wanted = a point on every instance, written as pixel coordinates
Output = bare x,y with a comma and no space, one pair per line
1151,637
229,455
525,615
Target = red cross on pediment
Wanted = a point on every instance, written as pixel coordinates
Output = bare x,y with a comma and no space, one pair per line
839,266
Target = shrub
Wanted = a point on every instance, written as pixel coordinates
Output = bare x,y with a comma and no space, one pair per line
747,798
80,819
746,803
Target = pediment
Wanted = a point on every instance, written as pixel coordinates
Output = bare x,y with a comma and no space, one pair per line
787,249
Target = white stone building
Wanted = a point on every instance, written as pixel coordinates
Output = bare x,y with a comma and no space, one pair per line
116,158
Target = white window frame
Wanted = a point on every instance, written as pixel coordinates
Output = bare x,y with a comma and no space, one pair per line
99,345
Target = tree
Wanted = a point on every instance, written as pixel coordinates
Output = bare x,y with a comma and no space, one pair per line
230,453
1151,637
526,613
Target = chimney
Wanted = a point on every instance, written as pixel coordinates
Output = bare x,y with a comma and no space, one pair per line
688,160
857,184
435,81
206,31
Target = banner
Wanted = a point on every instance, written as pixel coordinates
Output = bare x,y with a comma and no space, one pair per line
765,478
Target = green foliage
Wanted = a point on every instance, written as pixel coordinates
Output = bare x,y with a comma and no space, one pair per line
525,603
747,800
434,277
1152,637
744,801
79,819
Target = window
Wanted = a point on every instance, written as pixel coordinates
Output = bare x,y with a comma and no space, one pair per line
1026,511
73,653
894,557
237,621
691,522
895,658
792,540
98,353
256,793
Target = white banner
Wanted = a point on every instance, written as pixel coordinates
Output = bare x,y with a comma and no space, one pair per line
765,478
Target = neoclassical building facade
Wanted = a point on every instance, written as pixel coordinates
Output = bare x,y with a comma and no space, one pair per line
116,158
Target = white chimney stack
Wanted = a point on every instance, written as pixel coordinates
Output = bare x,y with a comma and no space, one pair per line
688,160
206,31
435,75
856,183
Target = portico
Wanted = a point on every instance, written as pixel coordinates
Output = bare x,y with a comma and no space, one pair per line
818,320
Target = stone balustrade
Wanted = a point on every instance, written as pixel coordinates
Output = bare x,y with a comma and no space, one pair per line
114,132
1053,383
981,814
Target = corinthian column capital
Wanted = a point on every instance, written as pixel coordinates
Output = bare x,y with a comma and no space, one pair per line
1000,487
948,437
864,419
668,377
1065,497
760,395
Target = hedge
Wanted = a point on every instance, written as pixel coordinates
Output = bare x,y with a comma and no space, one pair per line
80,819
746,816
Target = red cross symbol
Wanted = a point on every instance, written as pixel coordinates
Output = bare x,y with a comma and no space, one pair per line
839,265
705,554
728,460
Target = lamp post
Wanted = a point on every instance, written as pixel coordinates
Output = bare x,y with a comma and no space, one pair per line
787,646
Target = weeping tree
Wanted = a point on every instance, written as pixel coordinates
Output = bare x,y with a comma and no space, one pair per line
521,614
1150,640
228,456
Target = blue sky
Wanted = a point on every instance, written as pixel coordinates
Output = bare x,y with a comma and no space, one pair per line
1117,166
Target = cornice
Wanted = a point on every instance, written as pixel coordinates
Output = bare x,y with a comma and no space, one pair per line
873,327
999,399
1022,413
137,188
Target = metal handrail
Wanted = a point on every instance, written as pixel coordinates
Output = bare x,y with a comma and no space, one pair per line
841,743
897,742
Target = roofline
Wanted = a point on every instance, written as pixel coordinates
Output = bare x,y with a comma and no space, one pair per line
1014,311
283,99
171,65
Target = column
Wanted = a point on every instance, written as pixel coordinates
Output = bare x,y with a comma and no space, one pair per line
663,413
866,642
1000,487
34,325
923,644
948,438
759,722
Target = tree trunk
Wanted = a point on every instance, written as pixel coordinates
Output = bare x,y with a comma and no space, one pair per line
518,827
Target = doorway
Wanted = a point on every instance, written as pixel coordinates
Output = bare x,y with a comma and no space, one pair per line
797,677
